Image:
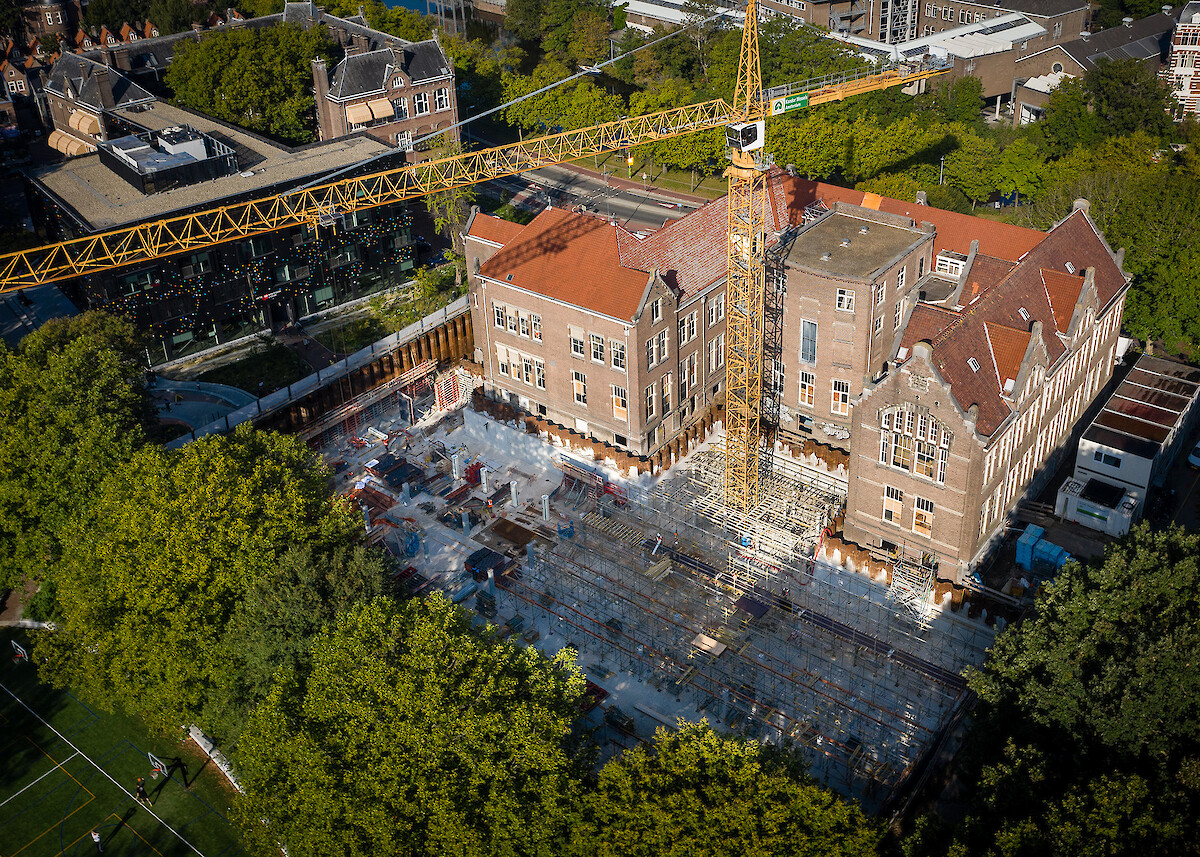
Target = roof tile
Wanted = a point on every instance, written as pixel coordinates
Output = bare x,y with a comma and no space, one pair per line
494,229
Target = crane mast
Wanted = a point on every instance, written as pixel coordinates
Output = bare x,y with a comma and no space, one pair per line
745,281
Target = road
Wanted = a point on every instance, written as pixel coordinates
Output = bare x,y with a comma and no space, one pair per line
634,209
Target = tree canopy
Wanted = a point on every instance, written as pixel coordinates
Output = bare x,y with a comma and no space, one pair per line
258,79
73,399
697,792
410,733
152,597
1087,739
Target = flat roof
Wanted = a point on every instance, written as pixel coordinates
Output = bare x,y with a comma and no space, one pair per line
852,252
980,38
1121,442
1132,426
104,200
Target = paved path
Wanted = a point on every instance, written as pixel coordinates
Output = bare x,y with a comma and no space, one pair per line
195,403
306,348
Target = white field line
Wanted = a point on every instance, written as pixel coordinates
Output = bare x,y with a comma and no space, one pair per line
57,766
79,752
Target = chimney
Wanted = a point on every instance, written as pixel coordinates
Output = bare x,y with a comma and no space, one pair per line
1085,35
360,41
922,198
1127,21
362,12
352,49
1166,10
1081,205
105,88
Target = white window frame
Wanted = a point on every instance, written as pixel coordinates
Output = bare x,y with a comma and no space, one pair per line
420,103
597,347
616,350
441,99
845,300
578,345
893,505
899,315
716,353
839,398
922,524
499,315
901,276
716,309
620,403
656,311
651,401
808,389
579,387
666,394
535,323
804,325
687,328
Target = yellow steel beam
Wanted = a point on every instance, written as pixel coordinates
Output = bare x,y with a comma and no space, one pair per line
188,233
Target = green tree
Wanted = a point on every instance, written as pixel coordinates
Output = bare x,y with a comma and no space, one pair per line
1069,121
258,79
162,560
971,167
74,405
1087,736
1019,169
697,792
1127,96
577,105
410,733
817,146
960,100
175,16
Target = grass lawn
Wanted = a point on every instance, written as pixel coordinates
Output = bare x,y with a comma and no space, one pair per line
273,364
70,769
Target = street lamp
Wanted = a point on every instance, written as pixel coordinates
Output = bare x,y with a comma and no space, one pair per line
942,170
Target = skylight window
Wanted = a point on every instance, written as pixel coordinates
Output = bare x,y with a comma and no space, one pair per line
974,364
1024,313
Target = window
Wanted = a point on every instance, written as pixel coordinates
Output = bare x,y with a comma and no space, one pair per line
540,373
498,313
947,13
1057,29
617,350
687,376
404,141
656,311
840,403
578,347
49,18
900,277
716,309
400,108
808,341
199,263
1024,313
258,247
535,322
914,442
579,383
808,389
666,394
524,320
877,325
920,267
877,291
502,360
420,103
687,328
778,375
964,17
930,10
926,453
131,284
1106,458
845,300
1058,67
651,401
899,314
893,505
656,349
620,402
947,264
973,363
397,82
527,370
597,348
923,517
512,321
716,353
441,99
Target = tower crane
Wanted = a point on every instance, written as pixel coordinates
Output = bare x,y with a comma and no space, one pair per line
744,121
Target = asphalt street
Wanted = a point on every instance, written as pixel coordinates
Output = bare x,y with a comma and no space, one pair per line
562,187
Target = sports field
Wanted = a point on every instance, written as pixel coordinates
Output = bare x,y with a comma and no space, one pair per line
67,769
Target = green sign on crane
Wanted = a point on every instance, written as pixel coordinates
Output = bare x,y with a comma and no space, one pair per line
791,102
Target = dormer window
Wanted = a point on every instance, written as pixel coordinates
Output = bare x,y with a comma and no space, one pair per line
111,41
397,82
949,262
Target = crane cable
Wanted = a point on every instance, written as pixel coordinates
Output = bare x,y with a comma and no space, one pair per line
326,178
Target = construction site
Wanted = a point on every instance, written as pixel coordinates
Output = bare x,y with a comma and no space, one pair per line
678,605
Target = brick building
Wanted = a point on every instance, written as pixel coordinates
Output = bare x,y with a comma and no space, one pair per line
1184,59
876,303
981,396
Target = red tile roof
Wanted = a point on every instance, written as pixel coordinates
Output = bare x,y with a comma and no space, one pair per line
985,272
988,328
494,229
1062,290
1008,348
926,321
572,258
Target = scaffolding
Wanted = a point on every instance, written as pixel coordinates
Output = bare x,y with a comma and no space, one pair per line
728,611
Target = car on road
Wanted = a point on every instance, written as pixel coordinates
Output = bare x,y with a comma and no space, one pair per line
1194,456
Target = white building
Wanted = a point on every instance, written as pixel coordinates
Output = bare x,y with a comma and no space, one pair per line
1130,445
1181,71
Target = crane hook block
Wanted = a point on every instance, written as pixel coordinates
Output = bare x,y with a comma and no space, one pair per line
746,136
